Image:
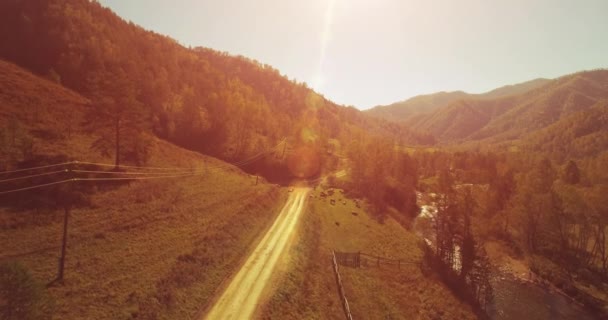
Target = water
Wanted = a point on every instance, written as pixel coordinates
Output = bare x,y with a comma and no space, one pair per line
513,299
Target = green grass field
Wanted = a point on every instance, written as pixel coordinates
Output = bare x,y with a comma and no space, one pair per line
308,289
157,248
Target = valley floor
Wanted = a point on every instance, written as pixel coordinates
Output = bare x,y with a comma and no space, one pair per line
308,289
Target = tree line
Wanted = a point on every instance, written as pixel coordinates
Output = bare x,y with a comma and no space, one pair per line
554,213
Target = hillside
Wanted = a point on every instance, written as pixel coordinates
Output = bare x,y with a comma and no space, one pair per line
31,112
200,99
579,135
132,246
412,109
462,118
531,118
547,105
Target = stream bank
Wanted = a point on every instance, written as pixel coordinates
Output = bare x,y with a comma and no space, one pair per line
518,293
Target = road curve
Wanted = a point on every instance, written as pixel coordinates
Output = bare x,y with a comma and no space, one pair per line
241,297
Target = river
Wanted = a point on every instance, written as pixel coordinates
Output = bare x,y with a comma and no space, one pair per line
514,298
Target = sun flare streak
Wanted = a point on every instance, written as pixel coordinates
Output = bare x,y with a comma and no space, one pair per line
318,81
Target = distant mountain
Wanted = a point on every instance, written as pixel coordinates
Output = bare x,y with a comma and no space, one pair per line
460,119
544,106
556,117
403,110
514,89
423,104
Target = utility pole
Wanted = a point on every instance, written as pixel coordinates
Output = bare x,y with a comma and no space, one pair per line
284,149
66,216
67,208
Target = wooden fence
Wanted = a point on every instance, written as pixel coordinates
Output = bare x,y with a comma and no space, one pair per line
349,259
343,299
360,259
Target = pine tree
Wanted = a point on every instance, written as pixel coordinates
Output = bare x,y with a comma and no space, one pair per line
116,114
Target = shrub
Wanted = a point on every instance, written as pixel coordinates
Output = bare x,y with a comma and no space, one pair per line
21,297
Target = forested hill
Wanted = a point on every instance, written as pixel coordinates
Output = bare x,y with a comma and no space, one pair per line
564,117
207,101
416,107
515,118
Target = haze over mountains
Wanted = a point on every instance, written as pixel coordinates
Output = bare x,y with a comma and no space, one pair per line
521,114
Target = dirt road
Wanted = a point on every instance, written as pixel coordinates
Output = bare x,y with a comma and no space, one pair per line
241,297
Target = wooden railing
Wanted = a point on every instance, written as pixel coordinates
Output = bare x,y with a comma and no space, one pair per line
343,299
360,259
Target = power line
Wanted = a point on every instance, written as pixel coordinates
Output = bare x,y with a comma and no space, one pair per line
156,176
250,160
34,175
171,172
95,179
161,176
238,163
36,168
76,162
135,178
132,167
129,173
257,156
36,186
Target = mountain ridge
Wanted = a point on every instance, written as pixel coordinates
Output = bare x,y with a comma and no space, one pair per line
427,103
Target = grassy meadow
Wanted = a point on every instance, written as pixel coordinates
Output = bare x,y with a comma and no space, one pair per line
308,289
162,248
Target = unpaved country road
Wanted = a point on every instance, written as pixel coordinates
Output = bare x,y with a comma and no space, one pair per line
241,297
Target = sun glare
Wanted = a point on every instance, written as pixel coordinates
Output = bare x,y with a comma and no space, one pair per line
318,79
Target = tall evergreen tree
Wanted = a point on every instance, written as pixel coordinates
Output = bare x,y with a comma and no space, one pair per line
116,115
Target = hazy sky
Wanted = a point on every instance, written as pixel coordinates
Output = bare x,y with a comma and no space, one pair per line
370,52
